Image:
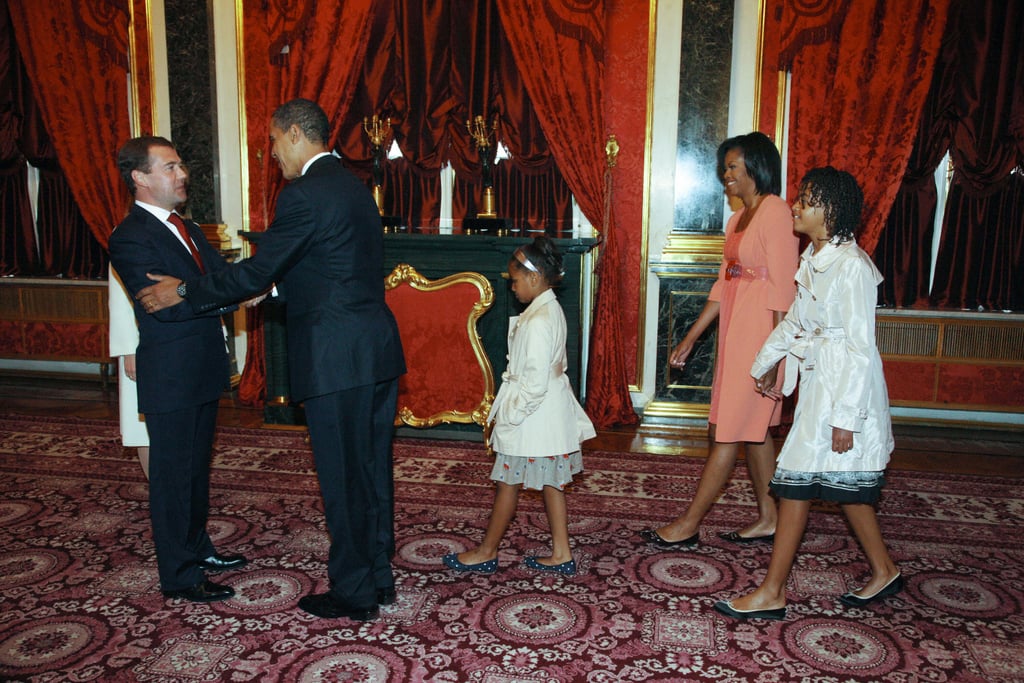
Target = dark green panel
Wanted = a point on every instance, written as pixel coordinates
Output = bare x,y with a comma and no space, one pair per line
683,291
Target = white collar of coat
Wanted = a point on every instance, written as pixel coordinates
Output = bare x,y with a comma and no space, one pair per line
818,262
826,256
539,300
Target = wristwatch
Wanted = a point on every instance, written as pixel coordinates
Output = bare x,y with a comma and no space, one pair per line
182,290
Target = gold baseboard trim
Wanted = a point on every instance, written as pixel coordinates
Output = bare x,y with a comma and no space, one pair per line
695,249
673,409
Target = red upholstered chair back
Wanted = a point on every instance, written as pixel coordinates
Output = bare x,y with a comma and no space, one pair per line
449,378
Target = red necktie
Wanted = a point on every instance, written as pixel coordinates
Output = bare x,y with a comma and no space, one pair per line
176,221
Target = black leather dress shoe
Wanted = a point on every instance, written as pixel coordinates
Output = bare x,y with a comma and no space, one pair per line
222,563
387,596
652,536
204,591
326,606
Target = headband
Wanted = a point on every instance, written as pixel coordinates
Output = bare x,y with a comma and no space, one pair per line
521,257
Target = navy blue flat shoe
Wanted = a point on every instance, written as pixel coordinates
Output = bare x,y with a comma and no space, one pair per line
894,586
566,568
451,560
726,608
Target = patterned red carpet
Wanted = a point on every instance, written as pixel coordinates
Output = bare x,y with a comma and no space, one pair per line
79,598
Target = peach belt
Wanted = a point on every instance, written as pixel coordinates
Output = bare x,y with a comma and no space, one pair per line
736,270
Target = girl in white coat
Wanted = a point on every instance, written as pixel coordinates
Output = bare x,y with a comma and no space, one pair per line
841,438
124,338
537,423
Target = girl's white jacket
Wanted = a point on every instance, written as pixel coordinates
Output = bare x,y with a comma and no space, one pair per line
535,413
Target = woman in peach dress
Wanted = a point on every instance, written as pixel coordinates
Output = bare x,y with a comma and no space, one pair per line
754,290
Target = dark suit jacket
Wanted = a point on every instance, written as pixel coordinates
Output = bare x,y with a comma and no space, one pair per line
181,360
324,250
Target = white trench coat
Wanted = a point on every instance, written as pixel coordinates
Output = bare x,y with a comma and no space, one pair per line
829,338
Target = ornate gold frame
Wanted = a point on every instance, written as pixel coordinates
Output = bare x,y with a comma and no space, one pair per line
404,273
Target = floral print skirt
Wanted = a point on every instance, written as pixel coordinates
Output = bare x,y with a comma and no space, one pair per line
536,473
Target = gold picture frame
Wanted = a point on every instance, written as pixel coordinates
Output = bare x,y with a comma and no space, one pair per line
405,274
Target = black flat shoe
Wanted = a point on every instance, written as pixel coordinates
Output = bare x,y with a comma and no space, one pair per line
387,596
734,537
326,606
652,536
894,586
222,563
726,608
204,591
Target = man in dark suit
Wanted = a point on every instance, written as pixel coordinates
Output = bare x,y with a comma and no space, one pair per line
325,250
182,368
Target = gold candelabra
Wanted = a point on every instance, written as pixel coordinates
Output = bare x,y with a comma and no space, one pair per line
378,130
481,132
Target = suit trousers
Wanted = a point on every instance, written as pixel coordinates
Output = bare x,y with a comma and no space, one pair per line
181,442
351,433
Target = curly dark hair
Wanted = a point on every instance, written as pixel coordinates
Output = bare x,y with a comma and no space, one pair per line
840,198
760,156
543,254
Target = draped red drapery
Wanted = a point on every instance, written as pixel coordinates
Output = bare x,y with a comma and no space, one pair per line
18,244
302,49
860,74
979,261
559,48
974,110
429,122
75,55
432,67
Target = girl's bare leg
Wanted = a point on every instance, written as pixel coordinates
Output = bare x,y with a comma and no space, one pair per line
771,594
144,459
558,521
865,526
506,498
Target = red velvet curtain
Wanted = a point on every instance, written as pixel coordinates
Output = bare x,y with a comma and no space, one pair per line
299,49
904,248
433,66
302,48
979,264
558,46
67,248
541,201
17,236
430,93
857,97
75,54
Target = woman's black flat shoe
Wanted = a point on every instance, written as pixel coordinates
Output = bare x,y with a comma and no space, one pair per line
726,608
734,537
894,586
652,536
